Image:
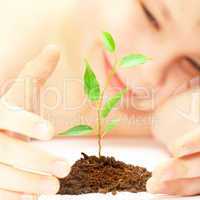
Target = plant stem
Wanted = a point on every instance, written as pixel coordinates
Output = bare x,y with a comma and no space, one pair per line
99,107
99,122
99,132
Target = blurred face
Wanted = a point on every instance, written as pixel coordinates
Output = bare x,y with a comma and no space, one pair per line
166,30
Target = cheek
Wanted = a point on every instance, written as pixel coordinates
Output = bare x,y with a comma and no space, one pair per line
131,31
125,23
178,78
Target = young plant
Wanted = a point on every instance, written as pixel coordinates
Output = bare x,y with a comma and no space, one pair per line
96,94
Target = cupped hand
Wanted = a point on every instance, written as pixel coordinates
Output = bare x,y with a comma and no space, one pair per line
180,132
26,171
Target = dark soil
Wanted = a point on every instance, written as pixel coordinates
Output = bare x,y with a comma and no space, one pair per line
91,174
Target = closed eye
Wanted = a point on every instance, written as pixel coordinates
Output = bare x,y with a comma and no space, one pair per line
150,17
194,63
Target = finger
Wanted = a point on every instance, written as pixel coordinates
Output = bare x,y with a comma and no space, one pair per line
7,195
20,181
187,144
174,120
24,91
15,135
22,155
175,169
183,187
26,123
182,168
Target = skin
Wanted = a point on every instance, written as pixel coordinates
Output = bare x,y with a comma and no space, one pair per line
16,154
167,31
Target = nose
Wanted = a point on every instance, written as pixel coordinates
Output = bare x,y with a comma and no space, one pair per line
159,78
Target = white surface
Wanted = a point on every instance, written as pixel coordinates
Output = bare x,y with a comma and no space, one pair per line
143,152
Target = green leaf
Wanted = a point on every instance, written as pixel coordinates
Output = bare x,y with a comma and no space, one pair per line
91,85
109,42
107,108
133,60
77,130
111,125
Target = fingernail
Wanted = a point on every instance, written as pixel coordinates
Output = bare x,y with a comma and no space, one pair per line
60,169
184,151
44,130
178,149
155,187
49,186
188,144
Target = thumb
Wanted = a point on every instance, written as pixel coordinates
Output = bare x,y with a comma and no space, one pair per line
24,91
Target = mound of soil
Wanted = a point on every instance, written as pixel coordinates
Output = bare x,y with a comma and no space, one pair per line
91,174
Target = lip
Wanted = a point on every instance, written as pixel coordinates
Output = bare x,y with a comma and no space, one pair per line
116,81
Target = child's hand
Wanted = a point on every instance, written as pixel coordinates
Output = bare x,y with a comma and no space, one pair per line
23,168
179,130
